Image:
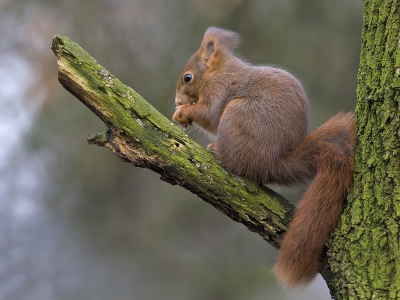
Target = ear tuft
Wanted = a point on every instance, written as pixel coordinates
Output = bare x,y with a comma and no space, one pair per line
209,49
222,38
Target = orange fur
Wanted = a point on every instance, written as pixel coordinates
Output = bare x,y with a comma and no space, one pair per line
303,247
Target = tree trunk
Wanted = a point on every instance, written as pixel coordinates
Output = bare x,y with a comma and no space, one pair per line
364,251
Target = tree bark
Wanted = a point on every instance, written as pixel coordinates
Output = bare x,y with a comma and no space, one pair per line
364,251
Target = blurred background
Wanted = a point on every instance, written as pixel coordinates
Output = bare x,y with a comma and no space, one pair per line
75,222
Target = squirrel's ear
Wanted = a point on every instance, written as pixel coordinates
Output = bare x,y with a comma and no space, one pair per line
226,39
216,40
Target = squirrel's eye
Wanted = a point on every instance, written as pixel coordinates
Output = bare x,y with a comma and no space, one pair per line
187,78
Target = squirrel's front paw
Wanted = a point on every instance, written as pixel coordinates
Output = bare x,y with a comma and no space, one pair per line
181,118
212,147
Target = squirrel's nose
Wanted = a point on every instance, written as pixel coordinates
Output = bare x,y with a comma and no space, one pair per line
178,102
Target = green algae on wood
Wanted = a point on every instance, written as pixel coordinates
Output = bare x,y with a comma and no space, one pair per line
137,133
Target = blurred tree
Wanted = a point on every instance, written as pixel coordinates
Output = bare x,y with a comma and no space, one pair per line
72,228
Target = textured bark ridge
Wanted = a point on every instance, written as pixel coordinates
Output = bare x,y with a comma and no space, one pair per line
364,253
139,134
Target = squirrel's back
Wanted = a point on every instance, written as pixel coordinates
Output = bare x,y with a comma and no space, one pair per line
268,112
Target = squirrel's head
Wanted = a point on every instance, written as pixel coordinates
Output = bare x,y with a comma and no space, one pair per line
215,48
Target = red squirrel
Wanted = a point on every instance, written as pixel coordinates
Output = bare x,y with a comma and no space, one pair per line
259,116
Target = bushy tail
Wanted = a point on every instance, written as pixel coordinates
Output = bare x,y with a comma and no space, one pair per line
303,247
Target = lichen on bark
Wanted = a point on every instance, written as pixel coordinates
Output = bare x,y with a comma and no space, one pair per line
364,251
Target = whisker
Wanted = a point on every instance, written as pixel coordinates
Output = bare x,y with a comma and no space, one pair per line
170,100
193,129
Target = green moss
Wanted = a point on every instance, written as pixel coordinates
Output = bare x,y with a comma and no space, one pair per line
364,261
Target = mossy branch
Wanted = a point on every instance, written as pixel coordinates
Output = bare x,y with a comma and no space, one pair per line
137,133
